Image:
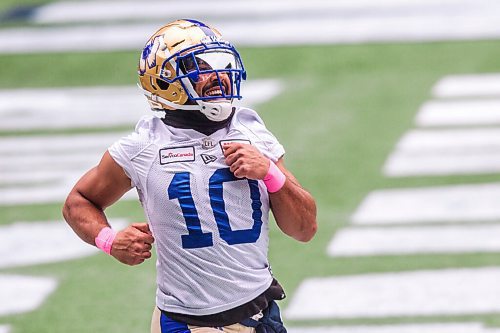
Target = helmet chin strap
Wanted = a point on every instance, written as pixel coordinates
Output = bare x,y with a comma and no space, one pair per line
216,111
213,111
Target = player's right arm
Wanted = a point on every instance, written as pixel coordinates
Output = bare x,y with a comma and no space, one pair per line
84,209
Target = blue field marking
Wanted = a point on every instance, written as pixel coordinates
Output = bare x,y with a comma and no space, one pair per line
19,13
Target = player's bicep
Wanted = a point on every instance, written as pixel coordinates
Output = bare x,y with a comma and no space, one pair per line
104,184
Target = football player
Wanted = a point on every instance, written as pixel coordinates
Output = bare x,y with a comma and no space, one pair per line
207,175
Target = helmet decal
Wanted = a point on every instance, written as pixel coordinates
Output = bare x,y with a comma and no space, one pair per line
206,29
148,56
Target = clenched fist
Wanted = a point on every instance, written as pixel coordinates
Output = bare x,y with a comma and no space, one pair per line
133,244
246,161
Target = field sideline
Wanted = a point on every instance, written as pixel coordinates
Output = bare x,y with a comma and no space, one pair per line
343,109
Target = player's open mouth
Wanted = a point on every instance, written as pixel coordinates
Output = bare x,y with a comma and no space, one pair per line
215,90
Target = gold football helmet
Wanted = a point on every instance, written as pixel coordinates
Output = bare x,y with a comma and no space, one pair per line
179,58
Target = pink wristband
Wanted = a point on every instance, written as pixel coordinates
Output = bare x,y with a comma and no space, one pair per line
275,179
105,239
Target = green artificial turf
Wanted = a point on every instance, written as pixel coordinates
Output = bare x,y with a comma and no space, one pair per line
341,113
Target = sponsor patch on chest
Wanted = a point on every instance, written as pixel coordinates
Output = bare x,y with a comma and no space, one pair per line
177,154
224,143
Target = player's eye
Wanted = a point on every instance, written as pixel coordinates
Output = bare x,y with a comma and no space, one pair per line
202,65
188,65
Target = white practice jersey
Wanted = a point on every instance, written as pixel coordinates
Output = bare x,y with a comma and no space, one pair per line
210,228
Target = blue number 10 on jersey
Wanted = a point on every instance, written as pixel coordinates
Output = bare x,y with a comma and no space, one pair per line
180,189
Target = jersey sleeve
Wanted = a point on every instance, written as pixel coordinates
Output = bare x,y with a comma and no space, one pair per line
131,153
261,137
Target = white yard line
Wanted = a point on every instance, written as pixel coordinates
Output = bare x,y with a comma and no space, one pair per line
445,152
47,167
22,178
450,140
404,164
55,161
69,161
42,194
418,293
49,145
465,327
26,109
23,293
459,113
370,241
454,203
95,11
43,242
467,21
36,243
473,85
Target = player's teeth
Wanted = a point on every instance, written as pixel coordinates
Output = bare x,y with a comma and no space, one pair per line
214,92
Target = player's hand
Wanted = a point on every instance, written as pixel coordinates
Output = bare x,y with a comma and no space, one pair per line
246,161
133,244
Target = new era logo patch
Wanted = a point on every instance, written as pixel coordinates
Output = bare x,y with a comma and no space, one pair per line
208,158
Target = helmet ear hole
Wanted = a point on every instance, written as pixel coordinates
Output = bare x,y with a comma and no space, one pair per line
162,84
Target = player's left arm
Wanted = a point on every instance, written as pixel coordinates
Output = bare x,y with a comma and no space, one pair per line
293,207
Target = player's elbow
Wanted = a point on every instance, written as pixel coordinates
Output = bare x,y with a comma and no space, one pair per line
307,231
65,210
300,225
67,206
308,225
73,205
